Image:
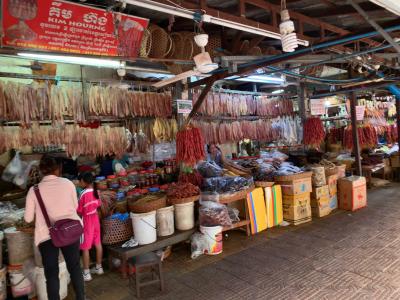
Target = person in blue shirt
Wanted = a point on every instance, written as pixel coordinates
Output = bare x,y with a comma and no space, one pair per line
215,154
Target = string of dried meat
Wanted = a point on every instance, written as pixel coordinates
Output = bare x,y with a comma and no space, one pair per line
314,132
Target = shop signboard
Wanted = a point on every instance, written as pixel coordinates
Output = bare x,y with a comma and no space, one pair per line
61,26
184,106
317,107
360,111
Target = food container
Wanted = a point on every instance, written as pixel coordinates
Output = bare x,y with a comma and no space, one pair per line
124,181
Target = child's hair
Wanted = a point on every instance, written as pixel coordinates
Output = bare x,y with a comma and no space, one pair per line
88,178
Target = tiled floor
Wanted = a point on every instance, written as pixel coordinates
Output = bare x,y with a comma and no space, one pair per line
343,256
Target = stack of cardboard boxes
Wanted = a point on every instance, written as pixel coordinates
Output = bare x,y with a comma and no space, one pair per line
332,182
320,193
296,198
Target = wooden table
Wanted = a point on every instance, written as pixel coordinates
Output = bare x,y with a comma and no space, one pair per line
241,223
124,254
369,170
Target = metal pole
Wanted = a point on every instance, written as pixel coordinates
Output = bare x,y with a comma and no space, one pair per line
398,119
301,96
356,142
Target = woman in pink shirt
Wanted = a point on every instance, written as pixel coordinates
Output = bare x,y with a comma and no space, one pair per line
88,203
60,199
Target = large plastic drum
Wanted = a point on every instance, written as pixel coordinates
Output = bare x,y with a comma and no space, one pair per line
213,235
165,221
184,216
144,227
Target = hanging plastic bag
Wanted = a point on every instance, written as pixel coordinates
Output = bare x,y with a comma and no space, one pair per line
13,168
21,179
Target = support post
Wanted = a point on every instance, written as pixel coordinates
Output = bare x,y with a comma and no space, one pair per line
398,119
302,101
356,142
177,94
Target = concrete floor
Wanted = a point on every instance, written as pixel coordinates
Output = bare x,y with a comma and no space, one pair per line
342,256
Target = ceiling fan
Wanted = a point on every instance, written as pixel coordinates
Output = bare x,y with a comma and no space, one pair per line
203,62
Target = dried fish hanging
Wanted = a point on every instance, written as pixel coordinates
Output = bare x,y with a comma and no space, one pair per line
283,130
77,140
123,103
236,104
37,102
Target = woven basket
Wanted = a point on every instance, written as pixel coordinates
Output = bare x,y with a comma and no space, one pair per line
174,201
178,45
145,47
293,177
214,42
19,245
229,197
116,231
161,42
331,171
143,205
264,183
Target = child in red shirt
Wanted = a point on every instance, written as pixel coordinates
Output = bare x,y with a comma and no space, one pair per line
87,208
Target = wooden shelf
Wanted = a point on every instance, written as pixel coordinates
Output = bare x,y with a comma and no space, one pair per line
236,225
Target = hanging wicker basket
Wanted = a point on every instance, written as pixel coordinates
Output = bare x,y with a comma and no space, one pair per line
146,44
161,42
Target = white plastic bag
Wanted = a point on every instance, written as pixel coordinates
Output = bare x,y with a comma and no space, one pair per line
13,168
21,179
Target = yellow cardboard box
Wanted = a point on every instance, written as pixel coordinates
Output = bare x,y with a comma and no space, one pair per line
297,186
299,199
320,192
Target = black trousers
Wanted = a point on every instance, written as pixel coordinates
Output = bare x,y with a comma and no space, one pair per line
50,264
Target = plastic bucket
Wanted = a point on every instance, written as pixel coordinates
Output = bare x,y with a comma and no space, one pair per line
165,221
213,236
3,284
19,245
40,282
20,285
184,216
144,227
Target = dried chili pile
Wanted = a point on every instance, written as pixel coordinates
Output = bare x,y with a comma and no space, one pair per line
190,146
313,132
193,177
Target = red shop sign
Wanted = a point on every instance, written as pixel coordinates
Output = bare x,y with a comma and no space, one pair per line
61,26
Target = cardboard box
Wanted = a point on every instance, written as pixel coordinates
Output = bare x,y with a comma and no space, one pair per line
299,199
352,193
297,213
297,186
332,184
324,201
321,211
320,192
333,203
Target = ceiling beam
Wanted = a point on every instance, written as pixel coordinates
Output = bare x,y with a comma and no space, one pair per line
345,10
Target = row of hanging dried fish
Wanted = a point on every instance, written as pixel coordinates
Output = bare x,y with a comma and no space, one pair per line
40,101
235,105
286,130
26,103
123,103
77,140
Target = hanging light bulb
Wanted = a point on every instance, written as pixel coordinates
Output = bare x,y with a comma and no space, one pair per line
286,28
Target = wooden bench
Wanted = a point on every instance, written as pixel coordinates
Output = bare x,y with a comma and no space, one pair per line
124,254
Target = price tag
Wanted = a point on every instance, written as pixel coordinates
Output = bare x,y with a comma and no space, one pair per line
317,107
